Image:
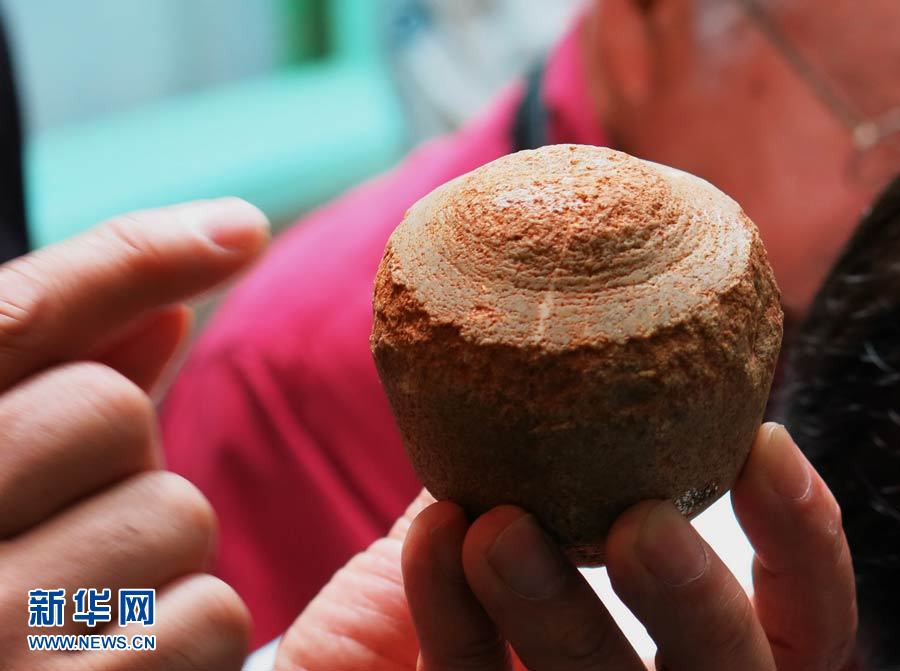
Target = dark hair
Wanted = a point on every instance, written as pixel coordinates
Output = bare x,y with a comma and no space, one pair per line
842,405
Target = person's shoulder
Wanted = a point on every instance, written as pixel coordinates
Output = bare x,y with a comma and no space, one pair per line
318,275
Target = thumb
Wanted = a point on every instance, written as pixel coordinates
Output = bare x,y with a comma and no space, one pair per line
360,620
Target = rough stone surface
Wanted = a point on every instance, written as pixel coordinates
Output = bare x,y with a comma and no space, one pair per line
574,330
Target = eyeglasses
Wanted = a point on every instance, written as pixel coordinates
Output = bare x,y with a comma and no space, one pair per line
876,141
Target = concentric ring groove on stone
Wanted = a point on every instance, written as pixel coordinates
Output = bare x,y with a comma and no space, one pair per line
642,244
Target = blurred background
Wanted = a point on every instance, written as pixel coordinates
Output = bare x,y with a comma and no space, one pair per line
130,104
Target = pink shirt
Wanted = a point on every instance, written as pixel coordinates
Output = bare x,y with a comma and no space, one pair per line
279,417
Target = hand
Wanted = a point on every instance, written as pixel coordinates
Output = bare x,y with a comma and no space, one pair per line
86,327
470,589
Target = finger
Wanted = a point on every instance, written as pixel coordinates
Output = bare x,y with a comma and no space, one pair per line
538,599
201,625
142,353
341,622
143,533
62,301
401,526
67,433
803,573
695,610
454,632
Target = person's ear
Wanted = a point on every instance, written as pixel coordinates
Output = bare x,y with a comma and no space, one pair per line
623,33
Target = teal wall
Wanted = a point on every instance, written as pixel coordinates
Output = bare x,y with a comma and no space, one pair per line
141,103
79,59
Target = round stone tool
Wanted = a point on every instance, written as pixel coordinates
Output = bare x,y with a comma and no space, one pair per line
574,330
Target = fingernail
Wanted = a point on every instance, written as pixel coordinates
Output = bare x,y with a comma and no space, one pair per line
792,479
232,224
524,559
670,548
